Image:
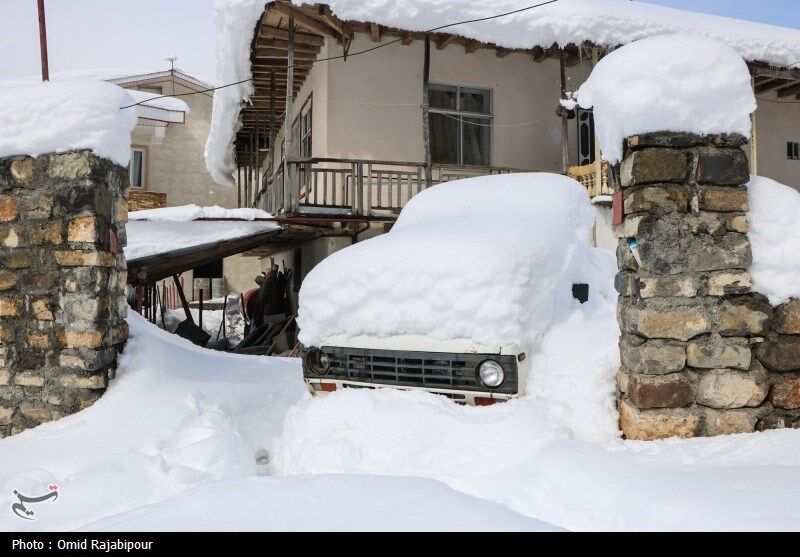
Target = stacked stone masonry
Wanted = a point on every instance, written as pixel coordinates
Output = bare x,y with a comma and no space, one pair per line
62,280
701,354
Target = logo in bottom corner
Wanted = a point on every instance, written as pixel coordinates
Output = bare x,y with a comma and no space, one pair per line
24,508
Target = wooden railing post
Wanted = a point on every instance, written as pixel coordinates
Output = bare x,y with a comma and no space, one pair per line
291,191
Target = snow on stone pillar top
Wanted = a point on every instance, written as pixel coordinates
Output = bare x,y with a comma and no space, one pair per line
669,83
68,115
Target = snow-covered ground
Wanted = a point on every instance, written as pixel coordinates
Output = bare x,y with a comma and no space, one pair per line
191,439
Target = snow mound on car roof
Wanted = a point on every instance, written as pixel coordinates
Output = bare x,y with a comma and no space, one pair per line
489,259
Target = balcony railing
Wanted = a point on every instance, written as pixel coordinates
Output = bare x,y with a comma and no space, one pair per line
355,186
588,176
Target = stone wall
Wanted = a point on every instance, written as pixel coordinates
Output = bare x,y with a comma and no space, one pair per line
62,278
701,353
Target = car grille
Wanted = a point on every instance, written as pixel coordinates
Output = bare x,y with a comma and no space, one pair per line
433,370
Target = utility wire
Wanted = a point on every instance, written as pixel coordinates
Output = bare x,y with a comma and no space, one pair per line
342,56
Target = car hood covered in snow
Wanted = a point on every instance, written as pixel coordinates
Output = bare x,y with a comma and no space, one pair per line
489,259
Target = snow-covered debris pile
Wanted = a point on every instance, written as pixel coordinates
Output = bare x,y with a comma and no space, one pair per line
774,239
158,231
489,259
670,83
61,116
235,23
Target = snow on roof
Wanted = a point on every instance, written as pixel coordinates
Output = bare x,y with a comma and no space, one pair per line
118,76
459,264
160,231
66,115
700,85
158,101
607,23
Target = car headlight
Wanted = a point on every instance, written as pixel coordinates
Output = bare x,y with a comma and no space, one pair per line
318,362
491,373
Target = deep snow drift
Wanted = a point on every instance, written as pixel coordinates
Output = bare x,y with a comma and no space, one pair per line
460,263
632,95
61,116
774,219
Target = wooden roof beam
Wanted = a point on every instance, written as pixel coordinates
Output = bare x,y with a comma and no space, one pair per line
442,42
343,28
306,21
472,46
267,52
770,84
280,44
789,91
268,33
375,32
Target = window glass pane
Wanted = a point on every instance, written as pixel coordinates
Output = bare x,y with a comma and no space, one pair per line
135,169
475,100
442,96
444,138
476,141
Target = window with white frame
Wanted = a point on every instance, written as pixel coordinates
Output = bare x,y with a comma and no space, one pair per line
305,131
137,167
793,150
460,124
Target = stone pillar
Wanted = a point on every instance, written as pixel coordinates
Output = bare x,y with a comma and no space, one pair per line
62,280
689,320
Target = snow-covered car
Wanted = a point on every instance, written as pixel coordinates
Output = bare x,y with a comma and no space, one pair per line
456,297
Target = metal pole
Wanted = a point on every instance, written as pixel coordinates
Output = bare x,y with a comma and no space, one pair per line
290,181
43,41
426,124
564,122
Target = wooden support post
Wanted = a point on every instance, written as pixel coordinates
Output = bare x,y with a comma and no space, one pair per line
253,158
598,159
272,125
426,123
139,297
257,189
239,185
753,137
564,121
290,180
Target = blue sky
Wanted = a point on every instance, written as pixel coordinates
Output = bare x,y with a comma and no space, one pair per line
140,34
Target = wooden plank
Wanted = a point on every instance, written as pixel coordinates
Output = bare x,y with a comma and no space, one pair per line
375,32
281,45
269,33
266,52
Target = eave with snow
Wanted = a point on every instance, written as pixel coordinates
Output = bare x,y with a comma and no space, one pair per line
573,34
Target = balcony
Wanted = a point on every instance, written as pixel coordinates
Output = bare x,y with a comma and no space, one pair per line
376,189
370,188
